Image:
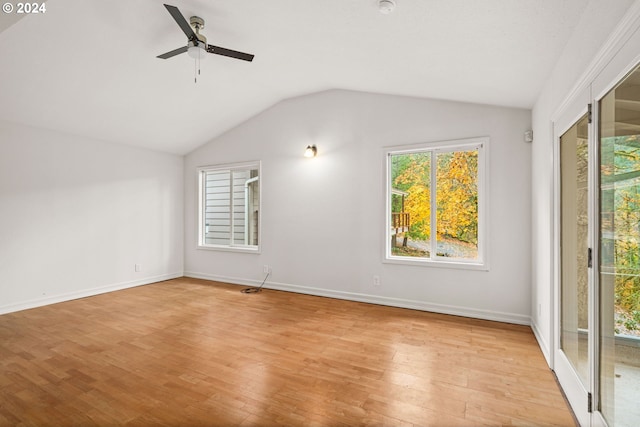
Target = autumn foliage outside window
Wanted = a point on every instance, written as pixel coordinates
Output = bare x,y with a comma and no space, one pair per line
438,187
620,227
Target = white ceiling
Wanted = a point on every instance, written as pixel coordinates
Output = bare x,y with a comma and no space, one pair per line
89,67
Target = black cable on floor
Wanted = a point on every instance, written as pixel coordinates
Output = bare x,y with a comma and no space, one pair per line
255,290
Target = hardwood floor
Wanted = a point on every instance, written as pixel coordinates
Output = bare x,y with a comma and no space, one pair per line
188,352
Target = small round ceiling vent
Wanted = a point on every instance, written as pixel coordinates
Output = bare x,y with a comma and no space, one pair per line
386,6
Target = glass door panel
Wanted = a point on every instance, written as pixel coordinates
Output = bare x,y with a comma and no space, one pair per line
574,231
619,279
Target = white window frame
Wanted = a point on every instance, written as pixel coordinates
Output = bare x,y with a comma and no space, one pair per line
231,247
480,143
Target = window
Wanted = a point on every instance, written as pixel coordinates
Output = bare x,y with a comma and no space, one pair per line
435,204
229,211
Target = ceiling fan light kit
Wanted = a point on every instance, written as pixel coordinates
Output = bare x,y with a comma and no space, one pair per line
195,49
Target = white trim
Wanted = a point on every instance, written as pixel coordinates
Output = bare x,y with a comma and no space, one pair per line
246,204
68,296
597,419
593,236
229,166
568,378
234,248
562,125
572,386
440,262
474,313
620,35
437,146
544,346
600,91
551,284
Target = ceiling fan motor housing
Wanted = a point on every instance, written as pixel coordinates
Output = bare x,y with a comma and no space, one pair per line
198,24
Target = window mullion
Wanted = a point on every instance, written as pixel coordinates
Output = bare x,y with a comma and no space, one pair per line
433,207
231,217
203,207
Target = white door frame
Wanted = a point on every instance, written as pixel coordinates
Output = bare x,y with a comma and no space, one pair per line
577,393
618,58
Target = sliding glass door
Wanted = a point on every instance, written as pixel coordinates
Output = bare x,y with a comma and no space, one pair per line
574,298
619,266
597,347
572,355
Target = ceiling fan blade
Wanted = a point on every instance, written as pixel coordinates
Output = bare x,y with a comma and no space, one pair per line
174,52
184,25
228,52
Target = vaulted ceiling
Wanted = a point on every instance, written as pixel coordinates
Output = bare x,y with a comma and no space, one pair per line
89,67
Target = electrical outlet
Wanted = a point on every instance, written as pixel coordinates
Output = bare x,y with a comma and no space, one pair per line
266,269
376,280
137,268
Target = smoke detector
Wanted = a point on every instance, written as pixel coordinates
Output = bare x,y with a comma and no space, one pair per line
386,6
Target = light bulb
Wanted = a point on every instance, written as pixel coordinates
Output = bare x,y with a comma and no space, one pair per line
311,151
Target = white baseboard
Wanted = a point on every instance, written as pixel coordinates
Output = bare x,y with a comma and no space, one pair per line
518,319
54,299
544,346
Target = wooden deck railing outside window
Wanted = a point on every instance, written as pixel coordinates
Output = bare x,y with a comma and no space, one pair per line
400,222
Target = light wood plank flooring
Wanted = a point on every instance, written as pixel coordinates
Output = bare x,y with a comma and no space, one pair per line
188,352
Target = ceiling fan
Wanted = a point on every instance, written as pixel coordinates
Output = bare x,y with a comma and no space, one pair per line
196,42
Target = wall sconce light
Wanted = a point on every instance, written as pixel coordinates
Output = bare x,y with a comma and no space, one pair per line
311,151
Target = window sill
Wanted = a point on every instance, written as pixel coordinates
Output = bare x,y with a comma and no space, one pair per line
240,249
456,265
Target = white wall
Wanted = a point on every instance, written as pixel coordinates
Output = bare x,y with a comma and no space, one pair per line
581,57
323,218
77,214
